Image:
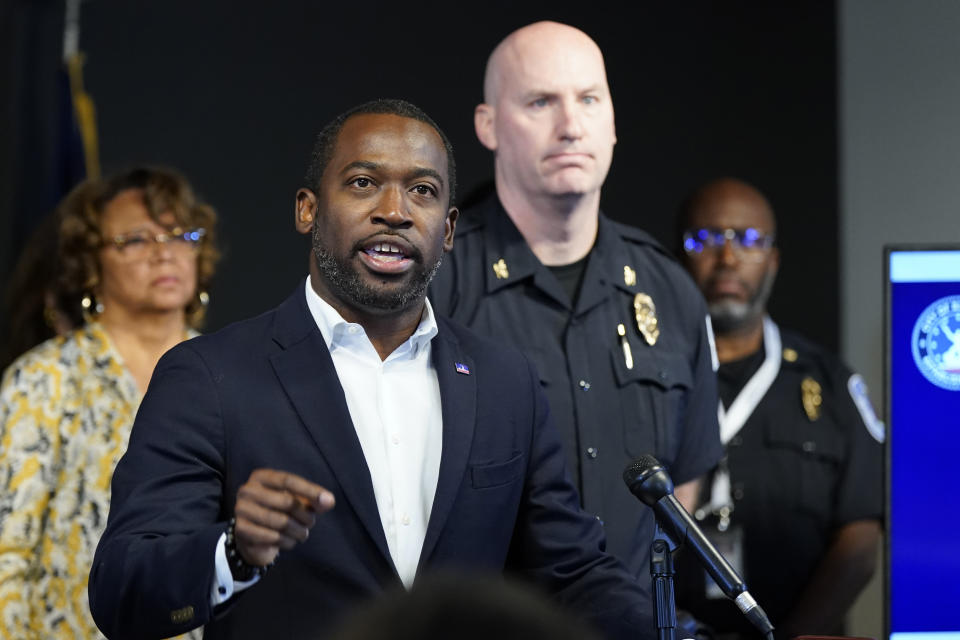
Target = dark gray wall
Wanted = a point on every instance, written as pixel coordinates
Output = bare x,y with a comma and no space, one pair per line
900,141
232,97
901,151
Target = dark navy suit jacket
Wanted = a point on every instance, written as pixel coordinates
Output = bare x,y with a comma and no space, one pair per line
264,393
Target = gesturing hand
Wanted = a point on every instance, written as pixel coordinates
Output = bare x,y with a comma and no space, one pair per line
275,511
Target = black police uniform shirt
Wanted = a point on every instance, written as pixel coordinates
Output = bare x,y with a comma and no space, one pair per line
611,403
806,462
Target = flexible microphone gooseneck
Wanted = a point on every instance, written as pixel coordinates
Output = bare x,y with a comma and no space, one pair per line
648,480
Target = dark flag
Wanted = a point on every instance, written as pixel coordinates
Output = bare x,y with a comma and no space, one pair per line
56,131
54,147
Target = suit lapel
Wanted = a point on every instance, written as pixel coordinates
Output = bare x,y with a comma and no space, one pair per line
458,400
306,372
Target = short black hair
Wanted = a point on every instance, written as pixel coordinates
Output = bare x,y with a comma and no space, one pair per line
327,139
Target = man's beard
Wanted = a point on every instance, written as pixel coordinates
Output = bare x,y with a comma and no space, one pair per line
343,278
729,316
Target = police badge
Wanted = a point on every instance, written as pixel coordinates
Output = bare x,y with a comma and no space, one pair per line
810,395
646,314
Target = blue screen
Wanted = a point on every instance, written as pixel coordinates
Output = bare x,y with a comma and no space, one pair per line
923,515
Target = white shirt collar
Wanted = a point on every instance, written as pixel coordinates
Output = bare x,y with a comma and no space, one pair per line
337,332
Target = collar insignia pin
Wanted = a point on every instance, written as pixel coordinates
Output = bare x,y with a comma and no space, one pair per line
646,314
462,368
500,270
629,276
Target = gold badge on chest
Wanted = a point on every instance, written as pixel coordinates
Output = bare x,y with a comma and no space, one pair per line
646,314
810,394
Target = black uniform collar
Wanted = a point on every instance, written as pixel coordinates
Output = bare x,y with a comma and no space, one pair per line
504,242
508,258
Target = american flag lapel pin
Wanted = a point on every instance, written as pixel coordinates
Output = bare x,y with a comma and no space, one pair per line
462,368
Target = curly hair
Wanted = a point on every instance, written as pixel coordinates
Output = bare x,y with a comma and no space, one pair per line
165,191
35,307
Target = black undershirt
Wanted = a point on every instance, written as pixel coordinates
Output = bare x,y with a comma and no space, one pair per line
570,277
733,376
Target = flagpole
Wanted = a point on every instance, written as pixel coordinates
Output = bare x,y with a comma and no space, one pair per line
82,102
71,29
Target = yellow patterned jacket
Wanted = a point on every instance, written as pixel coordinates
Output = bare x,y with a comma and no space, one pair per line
66,410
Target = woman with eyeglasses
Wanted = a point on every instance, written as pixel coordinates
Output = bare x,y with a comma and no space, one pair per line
138,250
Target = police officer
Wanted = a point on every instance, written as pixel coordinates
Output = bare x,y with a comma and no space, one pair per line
797,502
617,330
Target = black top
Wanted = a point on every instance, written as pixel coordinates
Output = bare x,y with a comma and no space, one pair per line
570,276
731,376
795,479
608,414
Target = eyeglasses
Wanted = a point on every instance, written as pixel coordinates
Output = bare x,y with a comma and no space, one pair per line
747,244
139,243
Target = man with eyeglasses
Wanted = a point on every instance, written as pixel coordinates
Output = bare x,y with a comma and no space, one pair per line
796,503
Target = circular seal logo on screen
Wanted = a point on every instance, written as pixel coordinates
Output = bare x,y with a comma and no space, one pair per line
936,343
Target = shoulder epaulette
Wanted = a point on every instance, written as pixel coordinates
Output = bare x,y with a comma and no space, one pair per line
641,237
809,354
469,222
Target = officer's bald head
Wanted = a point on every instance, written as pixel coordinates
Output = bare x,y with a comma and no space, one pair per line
532,46
547,116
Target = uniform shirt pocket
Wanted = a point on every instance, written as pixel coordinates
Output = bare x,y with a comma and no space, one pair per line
486,476
814,454
652,397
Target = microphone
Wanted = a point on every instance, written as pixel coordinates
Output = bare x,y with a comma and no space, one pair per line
648,480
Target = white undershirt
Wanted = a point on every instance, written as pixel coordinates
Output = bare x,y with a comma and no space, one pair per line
395,408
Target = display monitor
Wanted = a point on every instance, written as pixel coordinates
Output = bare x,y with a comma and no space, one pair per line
922,410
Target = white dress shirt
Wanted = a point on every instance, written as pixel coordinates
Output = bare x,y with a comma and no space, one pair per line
395,408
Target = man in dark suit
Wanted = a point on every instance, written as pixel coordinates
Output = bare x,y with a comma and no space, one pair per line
433,443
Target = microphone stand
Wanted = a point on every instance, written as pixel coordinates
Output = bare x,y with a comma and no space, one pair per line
662,572
648,480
